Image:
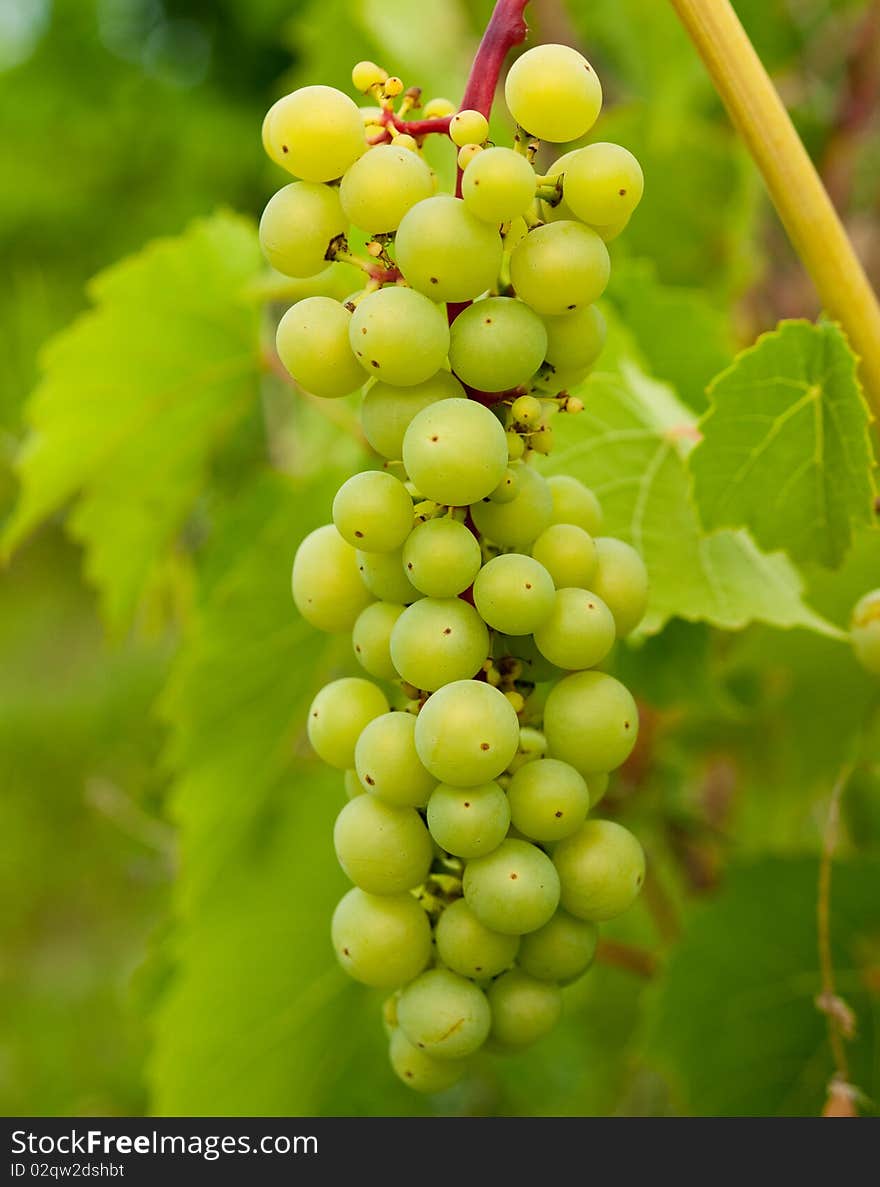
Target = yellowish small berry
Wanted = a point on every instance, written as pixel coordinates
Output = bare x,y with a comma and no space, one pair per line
366,75
404,140
526,410
517,700
393,87
467,153
468,127
438,109
515,446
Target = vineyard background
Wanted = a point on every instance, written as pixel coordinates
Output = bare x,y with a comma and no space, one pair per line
167,870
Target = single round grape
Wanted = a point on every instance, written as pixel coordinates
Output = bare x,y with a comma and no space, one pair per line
548,800
603,183
468,127
578,632
498,185
865,631
562,950
470,949
298,226
601,869
373,511
569,555
621,581
371,638
442,557
552,91
327,587
381,940
523,1008
496,344
575,503
517,524
444,1015
467,733
438,108
532,747
597,786
514,889
387,764
338,714
575,340
315,133
312,343
366,75
591,721
560,267
507,489
383,574
418,1070
455,451
387,411
382,849
437,641
468,821
382,185
445,252
353,786
399,336
514,594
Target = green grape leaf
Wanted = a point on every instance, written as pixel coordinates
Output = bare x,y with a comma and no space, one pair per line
735,1025
135,397
786,450
630,445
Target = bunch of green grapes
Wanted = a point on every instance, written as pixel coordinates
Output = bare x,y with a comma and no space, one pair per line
483,598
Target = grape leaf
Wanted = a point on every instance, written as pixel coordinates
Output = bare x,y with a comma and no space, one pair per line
630,445
735,1023
785,449
135,397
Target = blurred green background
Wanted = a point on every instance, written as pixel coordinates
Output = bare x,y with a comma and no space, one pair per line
166,871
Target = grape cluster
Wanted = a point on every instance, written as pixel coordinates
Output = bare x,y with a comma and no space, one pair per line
482,598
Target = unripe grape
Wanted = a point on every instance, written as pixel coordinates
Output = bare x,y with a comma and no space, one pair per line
575,340
337,716
373,511
436,109
591,721
382,849
466,154
865,632
442,557
383,574
515,449
371,638
569,555
387,411
553,92
380,187
314,133
313,344
418,1070
405,141
381,940
523,1008
575,503
548,800
514,889
468,127
517,524
393,87
621,581
526,411
578,632
468,947
603,184
496,344
365,75
399,336
387,764
437,641
297,227
455,452
601,870
514,594
445,252
560,267
468,821
326,585
467,733
444,1015
562,950
597,786
498,185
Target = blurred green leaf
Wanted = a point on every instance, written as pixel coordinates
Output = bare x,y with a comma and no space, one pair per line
136,395
786,450
735,1023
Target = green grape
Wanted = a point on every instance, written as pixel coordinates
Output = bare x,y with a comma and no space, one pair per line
548,800
382,849
532,746
591,721
621,581
383,574
371,638
438,640
865,631
445,252
553,380
517,524
312,343
442,557
315,133
579,631
387,411
562,950
560,267
468,127
553,92
326,585
418,1070
496,344
455,451
373,511
569,555
514,594
381,940
353,785
575,340
470,949
601,869
467,733
298,226
603,184
444,1015
513,890
498,185
507,489
523,1008
387,764
338,714
597,786
399,336
468,821
382,185
575,503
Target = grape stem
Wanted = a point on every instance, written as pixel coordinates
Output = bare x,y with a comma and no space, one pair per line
415,128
